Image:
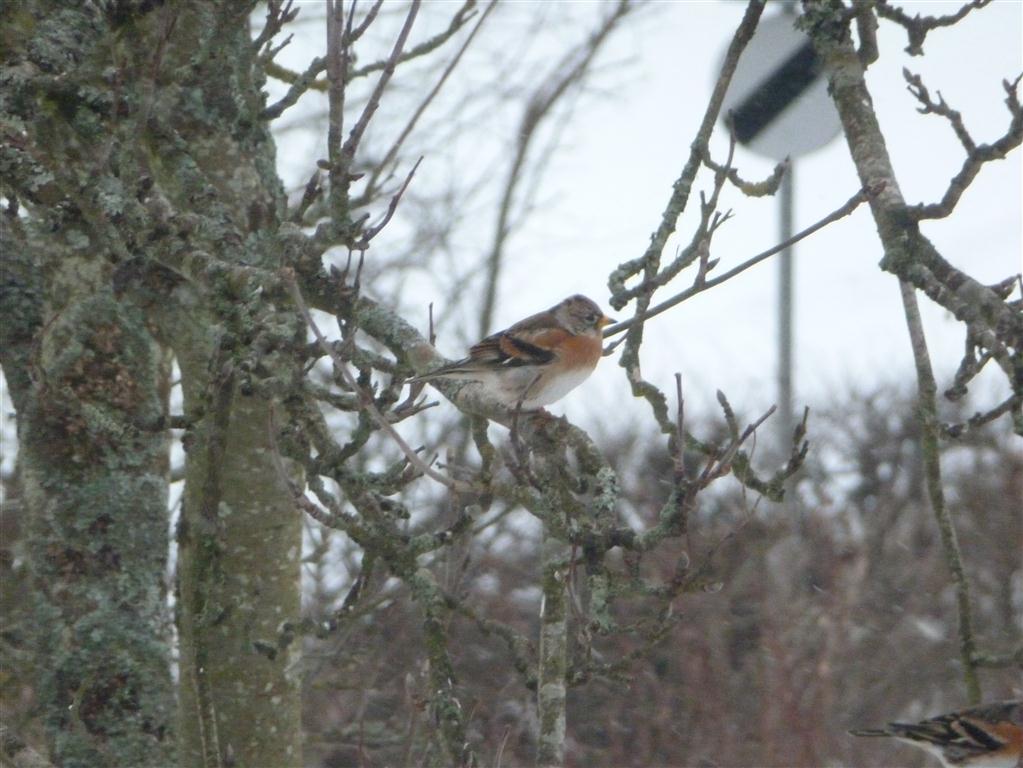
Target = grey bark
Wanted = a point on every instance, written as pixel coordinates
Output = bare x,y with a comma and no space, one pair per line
83,372
95,492
131,135
552,688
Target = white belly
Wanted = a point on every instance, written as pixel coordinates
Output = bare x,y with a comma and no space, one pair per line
544,391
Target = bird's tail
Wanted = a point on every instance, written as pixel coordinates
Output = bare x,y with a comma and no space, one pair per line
421,377
929,732
870,732
460,369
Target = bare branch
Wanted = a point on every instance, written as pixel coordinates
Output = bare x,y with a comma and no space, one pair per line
929,446
337,69
336,517
421,109
1009,405
750,188
373,231
918,26
300,83
278,14
367,400
649,262
359,31
285,75
682,488
841,212
313,191
462,16
866,27
699,245
915,85
977,155
352,142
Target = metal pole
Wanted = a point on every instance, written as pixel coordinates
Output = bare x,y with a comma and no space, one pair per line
785,309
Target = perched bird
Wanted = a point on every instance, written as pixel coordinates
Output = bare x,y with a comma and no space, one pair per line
988,736
537,360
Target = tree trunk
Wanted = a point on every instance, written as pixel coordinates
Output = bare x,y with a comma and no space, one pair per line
239,547
552,685
93,470
133,136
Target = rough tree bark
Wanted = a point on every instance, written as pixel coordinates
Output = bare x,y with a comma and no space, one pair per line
83,372
132,137
93,471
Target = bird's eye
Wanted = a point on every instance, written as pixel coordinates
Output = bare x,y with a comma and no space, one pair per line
592,318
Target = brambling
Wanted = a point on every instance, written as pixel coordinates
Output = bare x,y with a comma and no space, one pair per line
537,360
988,736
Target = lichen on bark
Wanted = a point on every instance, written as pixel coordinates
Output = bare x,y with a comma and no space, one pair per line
95,487
133,144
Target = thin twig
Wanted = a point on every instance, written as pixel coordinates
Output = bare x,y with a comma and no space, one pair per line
278,14
286,75
462,16
979,419
750,188
847,208
683,489
310,194
373,231
918,26
915,85
568,71
977,155
994,323
357,32
699,245
337,66
650,260
336,518
301,83
522,469
352,142
413,458
931,457
649,263
411,124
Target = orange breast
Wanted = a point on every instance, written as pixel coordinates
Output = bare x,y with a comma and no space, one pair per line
580,351
1010,733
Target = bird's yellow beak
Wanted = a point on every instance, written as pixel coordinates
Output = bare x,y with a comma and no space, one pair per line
605,320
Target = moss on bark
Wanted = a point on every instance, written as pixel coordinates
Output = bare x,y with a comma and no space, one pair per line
95,487
132,138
